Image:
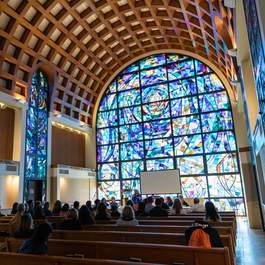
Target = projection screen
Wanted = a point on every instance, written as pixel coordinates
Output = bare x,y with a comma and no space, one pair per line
160,182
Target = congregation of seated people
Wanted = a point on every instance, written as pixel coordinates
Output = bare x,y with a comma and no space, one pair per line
26,217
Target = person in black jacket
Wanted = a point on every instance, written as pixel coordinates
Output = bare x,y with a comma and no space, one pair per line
158,210
212,232
85,216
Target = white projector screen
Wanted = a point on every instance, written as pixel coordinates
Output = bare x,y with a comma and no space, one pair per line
160,182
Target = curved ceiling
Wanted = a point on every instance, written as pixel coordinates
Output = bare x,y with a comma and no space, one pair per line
85,41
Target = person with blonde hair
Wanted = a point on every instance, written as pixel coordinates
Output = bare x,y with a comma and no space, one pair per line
127,217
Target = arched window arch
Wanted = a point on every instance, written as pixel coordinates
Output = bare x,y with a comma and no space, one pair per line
163,112
36,132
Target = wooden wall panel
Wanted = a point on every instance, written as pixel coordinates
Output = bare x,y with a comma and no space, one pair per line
7,122
68,148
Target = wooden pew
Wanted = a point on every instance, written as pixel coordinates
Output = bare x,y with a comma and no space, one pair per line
155,228
152,253
18,259
184,217
134,237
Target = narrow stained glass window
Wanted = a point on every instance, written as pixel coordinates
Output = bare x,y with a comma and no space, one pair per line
163,112
37,131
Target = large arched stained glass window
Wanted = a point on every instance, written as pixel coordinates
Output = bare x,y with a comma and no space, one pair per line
36,131
163,112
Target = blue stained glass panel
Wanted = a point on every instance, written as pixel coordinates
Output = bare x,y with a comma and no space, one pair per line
108,153
214,101
107,119
153,76
209,83
159,164
109,189
156,110
108,102
159,148
225,186
194,187
201,68
36,130
132,151
222,163
131,132
219,142
184,106
128,187
152,61
157,129
230,204
186,125
155,93
107,136
130,115
217,121
132,169
128,81
190,165
180,70
181,88
129,98
108,171
188,145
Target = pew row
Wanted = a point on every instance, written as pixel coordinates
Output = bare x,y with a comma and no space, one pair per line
150,253
135,237
18,259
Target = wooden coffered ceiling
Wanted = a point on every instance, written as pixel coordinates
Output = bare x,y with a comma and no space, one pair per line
86,41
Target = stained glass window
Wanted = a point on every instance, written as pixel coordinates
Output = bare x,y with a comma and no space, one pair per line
163,112
36,131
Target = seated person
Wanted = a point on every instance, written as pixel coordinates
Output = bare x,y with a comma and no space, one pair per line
15,221
158,210
164,205
127,217
89,205
197,207
129,203
85,216
140,211
64,210
183,203
38,212
46,209
177,208
96,204
25,229
169,201
14,208
71,222
76,205
57,208
201,234
211,214
113,202
114,211
148,205
37,244
102,213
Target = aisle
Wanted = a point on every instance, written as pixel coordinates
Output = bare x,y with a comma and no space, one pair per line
250,244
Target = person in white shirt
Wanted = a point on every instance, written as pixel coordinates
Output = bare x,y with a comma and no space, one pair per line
127,217
197,207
